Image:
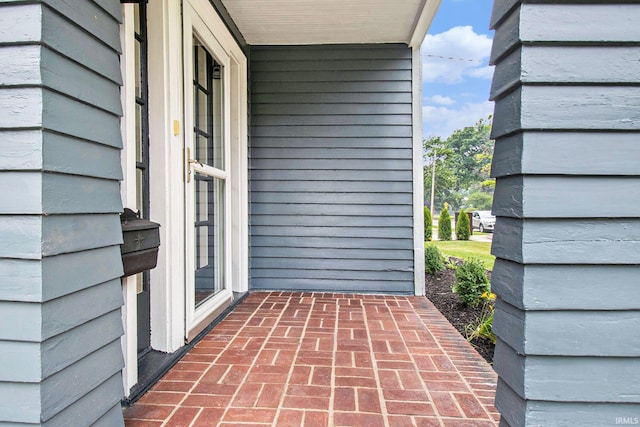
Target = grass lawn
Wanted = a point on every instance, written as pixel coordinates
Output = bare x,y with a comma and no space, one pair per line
466,249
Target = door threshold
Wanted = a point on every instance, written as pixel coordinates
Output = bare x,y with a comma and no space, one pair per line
152,365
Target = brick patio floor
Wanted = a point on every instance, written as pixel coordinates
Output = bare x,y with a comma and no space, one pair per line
303,359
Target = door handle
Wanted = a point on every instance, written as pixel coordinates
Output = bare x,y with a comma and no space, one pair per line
189,161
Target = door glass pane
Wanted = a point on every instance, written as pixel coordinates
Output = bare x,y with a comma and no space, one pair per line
209,237
208,100
139,134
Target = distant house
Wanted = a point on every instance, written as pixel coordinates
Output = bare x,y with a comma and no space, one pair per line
279,146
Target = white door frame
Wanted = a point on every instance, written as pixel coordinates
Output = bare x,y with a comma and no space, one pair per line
167,196
201,21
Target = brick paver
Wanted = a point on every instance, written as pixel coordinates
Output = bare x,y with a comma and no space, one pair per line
320,359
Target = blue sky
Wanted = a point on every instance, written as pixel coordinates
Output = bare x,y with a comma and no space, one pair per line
456,91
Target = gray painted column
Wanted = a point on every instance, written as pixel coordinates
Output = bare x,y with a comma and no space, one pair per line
567,163
60,292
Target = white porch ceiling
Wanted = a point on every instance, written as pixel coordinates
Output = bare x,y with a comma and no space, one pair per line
286,22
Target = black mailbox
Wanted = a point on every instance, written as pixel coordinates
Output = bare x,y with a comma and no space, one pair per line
141,242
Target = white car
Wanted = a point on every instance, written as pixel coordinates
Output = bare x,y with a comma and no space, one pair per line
483,221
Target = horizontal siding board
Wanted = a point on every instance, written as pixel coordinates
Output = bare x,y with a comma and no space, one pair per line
20,150
327,174
72,42
517,154
319,253
20,362
363,232
18,402
331,98
332,131
22,108
507,74
565,22
564,379
568,241
258,66
332,153
89,304
571,65
327,242
535,287
97,406
96,125
19,65
545,107
329,143
530,197
335,164
333,198
381,210
67,348
74,156
68,194
91,18
296,110
20,321
111,7
327,220
70,78
333,264
330,187
21,236
333,119
321,285
67,386
20,24
20,280
96,266
506,37
575,338
74,233
331,87
501,8
361,75
28,200
560,413
263,274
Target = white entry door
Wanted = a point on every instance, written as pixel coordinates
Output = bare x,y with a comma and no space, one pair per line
207,160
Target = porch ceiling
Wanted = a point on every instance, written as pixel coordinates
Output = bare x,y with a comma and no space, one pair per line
300,22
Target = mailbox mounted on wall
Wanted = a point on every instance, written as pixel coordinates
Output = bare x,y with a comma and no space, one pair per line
141,242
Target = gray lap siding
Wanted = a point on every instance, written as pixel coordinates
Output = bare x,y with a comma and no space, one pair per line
331,168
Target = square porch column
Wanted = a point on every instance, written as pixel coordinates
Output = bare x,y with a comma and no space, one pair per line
567,163
60,265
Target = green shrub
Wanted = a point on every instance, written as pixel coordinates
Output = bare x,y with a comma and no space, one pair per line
471,282
427,225
462,226
433,259
444,224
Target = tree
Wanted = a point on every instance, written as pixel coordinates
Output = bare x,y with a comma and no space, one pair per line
436,151
472,151
428,224
463,164
444,224
480,201
462,226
